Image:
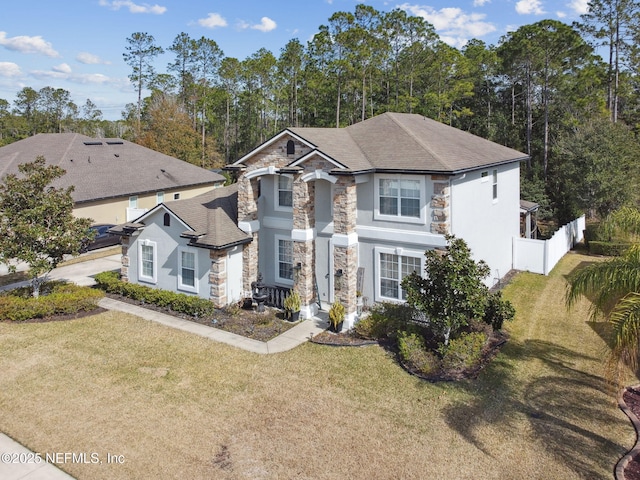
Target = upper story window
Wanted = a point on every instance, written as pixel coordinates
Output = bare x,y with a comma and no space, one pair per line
133,201
159,197
495,184
285,191
400,198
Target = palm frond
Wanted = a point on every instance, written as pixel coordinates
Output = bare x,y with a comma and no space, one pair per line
625,319
605,283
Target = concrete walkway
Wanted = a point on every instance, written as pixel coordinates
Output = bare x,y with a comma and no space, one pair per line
82,274
286,341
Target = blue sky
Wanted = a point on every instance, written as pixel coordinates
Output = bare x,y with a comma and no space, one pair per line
77,45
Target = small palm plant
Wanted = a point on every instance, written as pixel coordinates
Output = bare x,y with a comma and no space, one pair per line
336,316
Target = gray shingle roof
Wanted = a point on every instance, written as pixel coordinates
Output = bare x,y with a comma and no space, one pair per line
105,167
213,216
407,142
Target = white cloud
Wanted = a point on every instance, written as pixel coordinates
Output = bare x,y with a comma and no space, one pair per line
480,3
528,7
454,26
9,69
265,25
62,68
213,20
24,44
133,7
579,6
91,59
561,14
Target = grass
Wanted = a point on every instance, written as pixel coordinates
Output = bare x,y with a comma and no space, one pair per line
180,406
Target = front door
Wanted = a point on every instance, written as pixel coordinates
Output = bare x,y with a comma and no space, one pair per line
324,267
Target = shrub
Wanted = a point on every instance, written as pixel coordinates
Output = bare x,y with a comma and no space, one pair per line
385,320
609,249
178,302
497,310
415,355
61,299
463,352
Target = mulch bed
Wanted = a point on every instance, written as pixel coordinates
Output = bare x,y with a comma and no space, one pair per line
631,398
62,317
351,339
248,323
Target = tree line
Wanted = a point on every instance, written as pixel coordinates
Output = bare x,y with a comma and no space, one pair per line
545,90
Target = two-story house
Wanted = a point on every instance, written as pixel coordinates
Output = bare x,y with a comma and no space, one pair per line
335,213
343,212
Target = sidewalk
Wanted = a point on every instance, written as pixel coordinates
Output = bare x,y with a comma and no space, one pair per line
19,463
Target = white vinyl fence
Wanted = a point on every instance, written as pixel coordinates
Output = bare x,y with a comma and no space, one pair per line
540,256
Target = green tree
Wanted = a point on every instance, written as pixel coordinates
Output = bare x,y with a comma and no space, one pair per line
140,52
611,24
451,291
37,225
595,169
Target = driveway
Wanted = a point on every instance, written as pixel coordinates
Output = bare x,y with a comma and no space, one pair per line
80,273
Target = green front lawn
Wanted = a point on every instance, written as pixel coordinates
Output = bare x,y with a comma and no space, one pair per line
179,406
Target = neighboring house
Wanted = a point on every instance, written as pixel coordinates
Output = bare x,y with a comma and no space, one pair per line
114,180
192,246
342,212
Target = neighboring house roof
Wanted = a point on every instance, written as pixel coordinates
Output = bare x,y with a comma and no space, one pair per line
527,206
211,218
403,142
101,168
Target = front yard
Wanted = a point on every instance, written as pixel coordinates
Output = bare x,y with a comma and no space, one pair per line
179,406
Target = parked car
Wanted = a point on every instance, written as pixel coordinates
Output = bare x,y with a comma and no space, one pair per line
102,238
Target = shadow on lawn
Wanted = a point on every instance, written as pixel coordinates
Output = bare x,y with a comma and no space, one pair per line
563,407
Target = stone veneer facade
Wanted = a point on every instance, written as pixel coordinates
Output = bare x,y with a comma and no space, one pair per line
344,199
124,267
440,202
218,277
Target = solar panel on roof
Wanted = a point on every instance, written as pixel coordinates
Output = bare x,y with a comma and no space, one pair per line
92,143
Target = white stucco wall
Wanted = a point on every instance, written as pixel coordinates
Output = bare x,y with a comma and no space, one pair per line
168,243
487,225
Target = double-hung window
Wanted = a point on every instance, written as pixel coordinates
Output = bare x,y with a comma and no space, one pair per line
285,192
147,264
393,268
284,259
187,270
400,198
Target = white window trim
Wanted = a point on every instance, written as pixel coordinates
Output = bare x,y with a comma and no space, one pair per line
141,276
421,220
484,176
182,286
276,194
159,198
401,252
278,279
133,201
